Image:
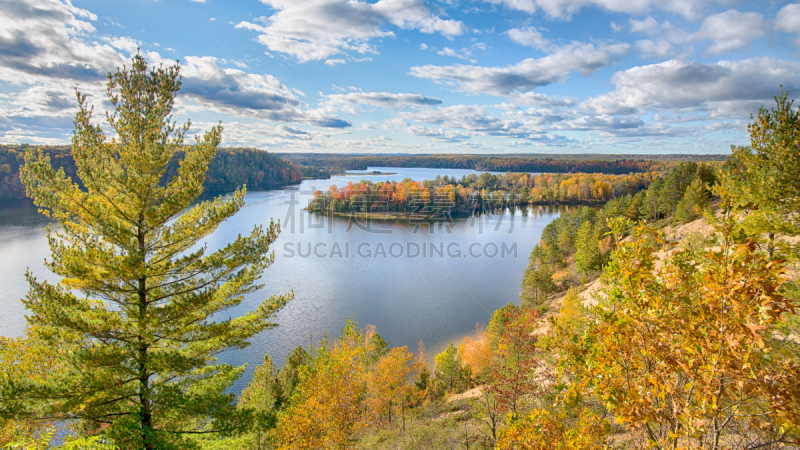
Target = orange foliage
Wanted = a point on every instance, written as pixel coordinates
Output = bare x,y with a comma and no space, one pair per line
476,353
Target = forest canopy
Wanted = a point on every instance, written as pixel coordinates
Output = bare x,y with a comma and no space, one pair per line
230,169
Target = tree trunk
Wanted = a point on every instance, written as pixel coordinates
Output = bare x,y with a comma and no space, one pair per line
145,410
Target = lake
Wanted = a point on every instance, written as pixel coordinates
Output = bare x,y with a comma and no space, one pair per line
413,281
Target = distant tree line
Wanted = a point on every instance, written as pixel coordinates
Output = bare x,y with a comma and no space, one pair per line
538,163
230,169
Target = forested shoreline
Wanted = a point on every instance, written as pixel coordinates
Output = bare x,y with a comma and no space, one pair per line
230,169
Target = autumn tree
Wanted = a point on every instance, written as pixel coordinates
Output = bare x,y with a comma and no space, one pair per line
514,371
26,357
130,318
389,384
676,351
476,353
327,408
543,430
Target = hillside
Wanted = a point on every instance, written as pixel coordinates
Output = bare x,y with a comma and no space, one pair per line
230,169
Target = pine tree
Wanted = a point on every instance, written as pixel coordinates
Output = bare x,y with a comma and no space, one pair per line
765,173
693,203
131,316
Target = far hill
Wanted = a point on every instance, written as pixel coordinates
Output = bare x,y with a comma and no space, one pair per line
586,163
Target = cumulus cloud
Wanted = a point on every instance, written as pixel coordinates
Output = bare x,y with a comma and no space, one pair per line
318,29
529,37
285,137
542,100
437,134
727,31
204,79
788,19
527,74
463,122
564,9
50,47
731,30
349,102
469,120
726,89
41,40
654,49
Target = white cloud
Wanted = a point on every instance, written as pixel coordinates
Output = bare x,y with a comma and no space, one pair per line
423,46
462,54
257,134
566,8
43,40
648,26
437,134
238,93
542,100
788,19
527,74
722,90
333,62
529,37
463,122
731,30
48,49
349,102
654,49
318,29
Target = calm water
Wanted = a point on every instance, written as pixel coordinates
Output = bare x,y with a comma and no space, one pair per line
412,281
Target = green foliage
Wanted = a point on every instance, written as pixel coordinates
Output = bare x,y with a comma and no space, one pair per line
450,373
763,177
229,169
693,203
537,284
261,398
137,347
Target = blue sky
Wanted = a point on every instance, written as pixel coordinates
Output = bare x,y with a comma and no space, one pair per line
415,76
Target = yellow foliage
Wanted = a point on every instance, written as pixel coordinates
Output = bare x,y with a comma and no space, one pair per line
676,351
543,431
25,357
388,383
326,408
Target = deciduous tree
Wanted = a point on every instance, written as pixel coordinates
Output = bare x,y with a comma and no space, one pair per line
677,351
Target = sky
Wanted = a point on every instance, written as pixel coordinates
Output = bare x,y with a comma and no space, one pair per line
414,76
